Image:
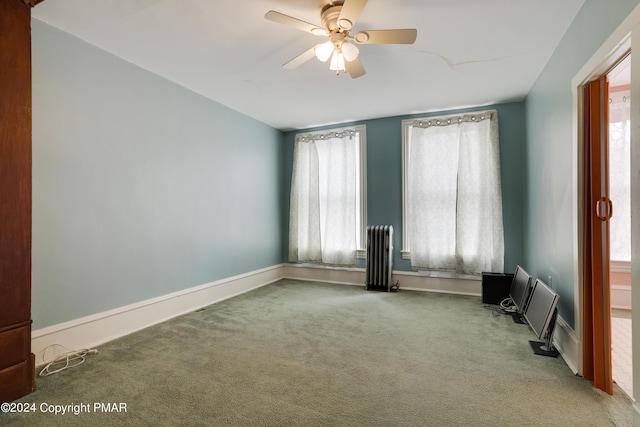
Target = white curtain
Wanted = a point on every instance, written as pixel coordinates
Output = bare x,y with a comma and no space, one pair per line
620,174
323,217
454,199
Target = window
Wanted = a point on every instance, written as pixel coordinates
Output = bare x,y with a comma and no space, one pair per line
620,172
327,217
452,203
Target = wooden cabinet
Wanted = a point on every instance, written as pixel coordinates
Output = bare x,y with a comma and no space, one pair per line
17,370
16,363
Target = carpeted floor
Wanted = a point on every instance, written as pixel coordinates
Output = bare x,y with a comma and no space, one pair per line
299,353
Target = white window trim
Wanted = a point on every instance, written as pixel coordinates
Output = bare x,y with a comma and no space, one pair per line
406,133
620,266
406,249
361,251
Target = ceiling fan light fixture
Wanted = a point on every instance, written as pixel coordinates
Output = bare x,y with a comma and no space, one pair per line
337,62
350,51
338,19
324,51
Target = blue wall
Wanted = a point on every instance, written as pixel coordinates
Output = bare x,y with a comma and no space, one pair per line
549,183
384,177
143,188
140,187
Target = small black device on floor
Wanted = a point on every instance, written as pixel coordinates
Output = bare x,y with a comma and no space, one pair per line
495,287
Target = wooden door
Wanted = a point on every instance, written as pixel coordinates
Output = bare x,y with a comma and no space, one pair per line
597,212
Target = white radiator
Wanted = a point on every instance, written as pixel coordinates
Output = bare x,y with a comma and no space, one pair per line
380,258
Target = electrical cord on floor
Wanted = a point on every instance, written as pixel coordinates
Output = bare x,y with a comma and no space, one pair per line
506,307
68,359
494,310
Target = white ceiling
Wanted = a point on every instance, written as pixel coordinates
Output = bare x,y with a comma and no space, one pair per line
468,52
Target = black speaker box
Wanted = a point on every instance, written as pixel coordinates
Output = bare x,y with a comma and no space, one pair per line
495,287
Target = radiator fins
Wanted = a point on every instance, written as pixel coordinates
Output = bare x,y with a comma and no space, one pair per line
378,275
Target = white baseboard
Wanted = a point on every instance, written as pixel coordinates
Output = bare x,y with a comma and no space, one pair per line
621,297
408,280
413,281
568,345
344,276
91,331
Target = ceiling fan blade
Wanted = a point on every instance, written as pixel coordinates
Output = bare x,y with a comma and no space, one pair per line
281,18
301,59
354,68
351,10
407,36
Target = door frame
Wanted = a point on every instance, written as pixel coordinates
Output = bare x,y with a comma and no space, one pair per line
620,42
595,71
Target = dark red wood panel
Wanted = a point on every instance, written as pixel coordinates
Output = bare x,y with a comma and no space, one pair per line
16,360
15,162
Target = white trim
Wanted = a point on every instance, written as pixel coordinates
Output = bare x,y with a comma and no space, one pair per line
362,244
612,49
621,297
448,275
425,122
415,281
577,202
620,267
361,130
408,280
96,329
406,134
568,344
343,276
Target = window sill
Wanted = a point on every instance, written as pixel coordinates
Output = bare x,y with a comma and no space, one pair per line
448,275
441,274
620,266
322,267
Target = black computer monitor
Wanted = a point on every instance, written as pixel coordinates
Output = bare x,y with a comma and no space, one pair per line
519,292
541,315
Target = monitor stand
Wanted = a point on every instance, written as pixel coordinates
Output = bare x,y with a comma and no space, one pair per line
517,318
546,348
543,349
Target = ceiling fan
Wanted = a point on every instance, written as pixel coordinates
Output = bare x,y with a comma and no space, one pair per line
338,18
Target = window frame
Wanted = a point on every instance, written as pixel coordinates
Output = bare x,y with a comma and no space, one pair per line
361,173
407,125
